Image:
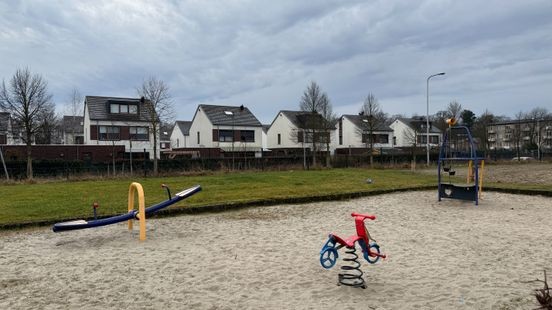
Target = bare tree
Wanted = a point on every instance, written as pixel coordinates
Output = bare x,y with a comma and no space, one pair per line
26,98
480,128
538,117
517,133
372,118
454,109
411,137
159,109
49,127
312,101
329,120
439,120
74,108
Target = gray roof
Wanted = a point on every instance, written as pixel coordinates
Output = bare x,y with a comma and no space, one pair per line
184,127
99,109
266,127
4,119
418,123
73,124
301,118
241,115
357,120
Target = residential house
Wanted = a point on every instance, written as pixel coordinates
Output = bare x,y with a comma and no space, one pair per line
118,121
229,128
10,132
265,137
180,136
413,131
4,127
72,129
165,133
352,133
526,133
291,130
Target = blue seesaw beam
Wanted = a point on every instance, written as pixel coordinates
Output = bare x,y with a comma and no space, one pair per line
82,224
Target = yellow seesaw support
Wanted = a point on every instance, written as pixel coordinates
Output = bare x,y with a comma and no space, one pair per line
137,188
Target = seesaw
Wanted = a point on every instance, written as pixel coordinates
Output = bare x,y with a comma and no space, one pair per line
140,214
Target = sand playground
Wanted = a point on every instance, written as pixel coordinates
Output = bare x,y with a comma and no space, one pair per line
442,255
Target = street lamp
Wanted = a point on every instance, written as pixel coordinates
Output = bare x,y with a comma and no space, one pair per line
230,113
427,115
538,139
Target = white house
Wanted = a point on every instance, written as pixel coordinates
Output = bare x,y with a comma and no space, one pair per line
288,129
265,136
118,121
10,133
5,127
180,136
410,131
230,128
351,133
72,131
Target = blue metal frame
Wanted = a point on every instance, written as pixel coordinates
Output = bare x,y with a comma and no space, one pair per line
472,155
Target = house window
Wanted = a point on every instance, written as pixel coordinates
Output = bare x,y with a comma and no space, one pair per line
198,140
434,139
109,133
114,108
394,140
383,139
301,135
279,139
247,136
119,108
139,133
3,139
226,136
322,137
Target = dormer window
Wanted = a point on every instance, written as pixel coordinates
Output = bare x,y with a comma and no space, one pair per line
123,108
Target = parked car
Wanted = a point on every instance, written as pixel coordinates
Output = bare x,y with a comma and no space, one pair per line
523,158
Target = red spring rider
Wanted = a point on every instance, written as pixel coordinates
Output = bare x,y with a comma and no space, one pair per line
351,275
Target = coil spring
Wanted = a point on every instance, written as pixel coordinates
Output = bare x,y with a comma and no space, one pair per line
351,275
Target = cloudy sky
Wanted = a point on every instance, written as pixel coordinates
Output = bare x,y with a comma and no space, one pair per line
497,55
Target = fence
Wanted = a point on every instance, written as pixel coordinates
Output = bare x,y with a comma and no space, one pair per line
141,167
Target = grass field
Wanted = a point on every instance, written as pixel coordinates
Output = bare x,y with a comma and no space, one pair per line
22,204
51,201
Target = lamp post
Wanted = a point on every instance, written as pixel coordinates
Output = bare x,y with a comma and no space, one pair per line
538,139
230,113
427,115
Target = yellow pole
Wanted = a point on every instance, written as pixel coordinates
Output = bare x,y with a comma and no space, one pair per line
137,187
470,172
481,177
